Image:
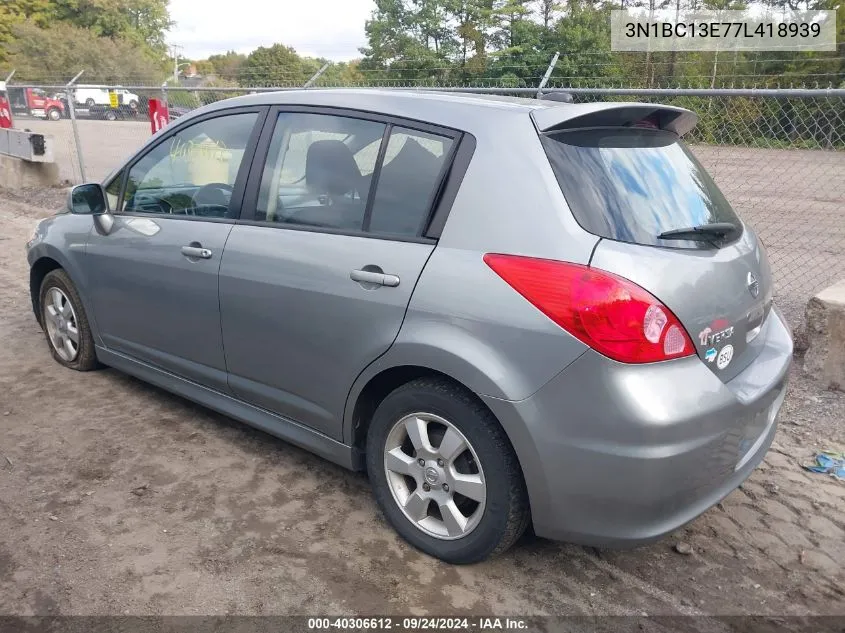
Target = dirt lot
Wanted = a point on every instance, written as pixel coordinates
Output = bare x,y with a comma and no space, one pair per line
117,498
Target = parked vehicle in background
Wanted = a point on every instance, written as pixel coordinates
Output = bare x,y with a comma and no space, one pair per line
89,96
506,311
108,113
174,112
35,102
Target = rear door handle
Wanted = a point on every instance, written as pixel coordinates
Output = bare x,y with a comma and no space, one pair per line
196,252
371,277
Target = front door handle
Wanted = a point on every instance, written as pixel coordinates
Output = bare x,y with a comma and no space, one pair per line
372,277
196,252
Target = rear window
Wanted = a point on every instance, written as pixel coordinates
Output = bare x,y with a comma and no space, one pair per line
631,185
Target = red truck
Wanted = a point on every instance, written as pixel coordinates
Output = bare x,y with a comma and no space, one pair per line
36,102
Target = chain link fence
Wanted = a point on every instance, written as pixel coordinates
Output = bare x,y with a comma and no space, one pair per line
778,155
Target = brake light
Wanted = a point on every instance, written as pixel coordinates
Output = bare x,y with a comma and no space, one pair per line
612,315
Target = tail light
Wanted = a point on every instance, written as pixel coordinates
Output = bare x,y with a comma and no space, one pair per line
612,315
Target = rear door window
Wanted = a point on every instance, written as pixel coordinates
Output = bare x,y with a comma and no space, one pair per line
631,185
318,171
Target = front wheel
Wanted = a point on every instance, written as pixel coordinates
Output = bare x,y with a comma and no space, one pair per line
54,114
444,473
65,323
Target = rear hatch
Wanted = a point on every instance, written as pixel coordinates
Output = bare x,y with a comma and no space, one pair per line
665,225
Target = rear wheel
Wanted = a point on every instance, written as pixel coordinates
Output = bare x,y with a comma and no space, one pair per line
444,473
89,102
110,115
54,114
65,323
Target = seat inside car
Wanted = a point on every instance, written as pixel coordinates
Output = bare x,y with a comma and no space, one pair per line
331,171
404,189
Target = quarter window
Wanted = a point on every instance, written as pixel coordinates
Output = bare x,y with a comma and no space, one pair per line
194,171
408,181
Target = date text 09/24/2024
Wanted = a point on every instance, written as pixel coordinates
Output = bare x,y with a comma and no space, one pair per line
417,623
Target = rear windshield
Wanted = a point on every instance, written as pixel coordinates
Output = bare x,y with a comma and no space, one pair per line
631,185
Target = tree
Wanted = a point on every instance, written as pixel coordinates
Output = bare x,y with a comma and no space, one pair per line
548,9
42,55
140,21
277,65
226,65
13,12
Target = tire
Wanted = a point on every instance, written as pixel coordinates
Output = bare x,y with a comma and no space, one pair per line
90,103
53,114
133,104
110,115
493,524
85,358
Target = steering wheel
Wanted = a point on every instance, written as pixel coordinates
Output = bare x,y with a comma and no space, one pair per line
214,194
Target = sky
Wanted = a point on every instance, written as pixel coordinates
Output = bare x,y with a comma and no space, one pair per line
316,28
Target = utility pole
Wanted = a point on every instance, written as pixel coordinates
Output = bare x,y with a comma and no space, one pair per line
174,51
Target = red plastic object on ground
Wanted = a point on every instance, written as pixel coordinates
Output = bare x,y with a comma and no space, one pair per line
5,113
159,116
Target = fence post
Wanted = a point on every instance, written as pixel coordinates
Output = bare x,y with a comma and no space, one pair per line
548,74
9,97
316,75
72,109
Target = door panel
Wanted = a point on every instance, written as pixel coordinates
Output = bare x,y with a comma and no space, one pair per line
296,328
155,273
156,304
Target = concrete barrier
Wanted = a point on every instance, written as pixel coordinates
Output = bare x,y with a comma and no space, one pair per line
825,358
16,173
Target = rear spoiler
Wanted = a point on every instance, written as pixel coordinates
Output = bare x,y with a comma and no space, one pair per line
581,115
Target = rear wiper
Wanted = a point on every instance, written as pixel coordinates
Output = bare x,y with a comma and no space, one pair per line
703,233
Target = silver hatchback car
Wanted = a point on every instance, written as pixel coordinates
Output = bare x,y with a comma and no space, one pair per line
507,311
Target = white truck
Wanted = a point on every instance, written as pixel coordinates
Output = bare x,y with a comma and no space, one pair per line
88,96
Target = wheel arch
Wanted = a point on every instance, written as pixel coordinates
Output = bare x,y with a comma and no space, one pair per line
380,379
45,257
37,272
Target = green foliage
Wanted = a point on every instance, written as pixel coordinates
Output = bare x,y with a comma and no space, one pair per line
139,21
276,65
59,52
226,65
14,12
133,29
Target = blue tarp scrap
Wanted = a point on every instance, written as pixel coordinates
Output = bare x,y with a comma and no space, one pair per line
830,463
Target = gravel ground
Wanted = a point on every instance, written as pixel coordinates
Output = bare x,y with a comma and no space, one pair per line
118,498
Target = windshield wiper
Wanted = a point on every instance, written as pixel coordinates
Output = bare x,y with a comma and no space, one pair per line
715,231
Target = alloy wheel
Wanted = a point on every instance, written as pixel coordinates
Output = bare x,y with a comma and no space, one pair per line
435,476
62,325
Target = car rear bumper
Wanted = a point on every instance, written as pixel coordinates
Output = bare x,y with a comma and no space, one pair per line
619,455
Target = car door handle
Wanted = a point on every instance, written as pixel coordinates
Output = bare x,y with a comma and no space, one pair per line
196,251
372,277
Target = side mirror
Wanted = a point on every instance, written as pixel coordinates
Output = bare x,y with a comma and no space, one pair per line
90,199
87,199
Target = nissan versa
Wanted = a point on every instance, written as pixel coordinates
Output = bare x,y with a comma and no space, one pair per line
508,311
